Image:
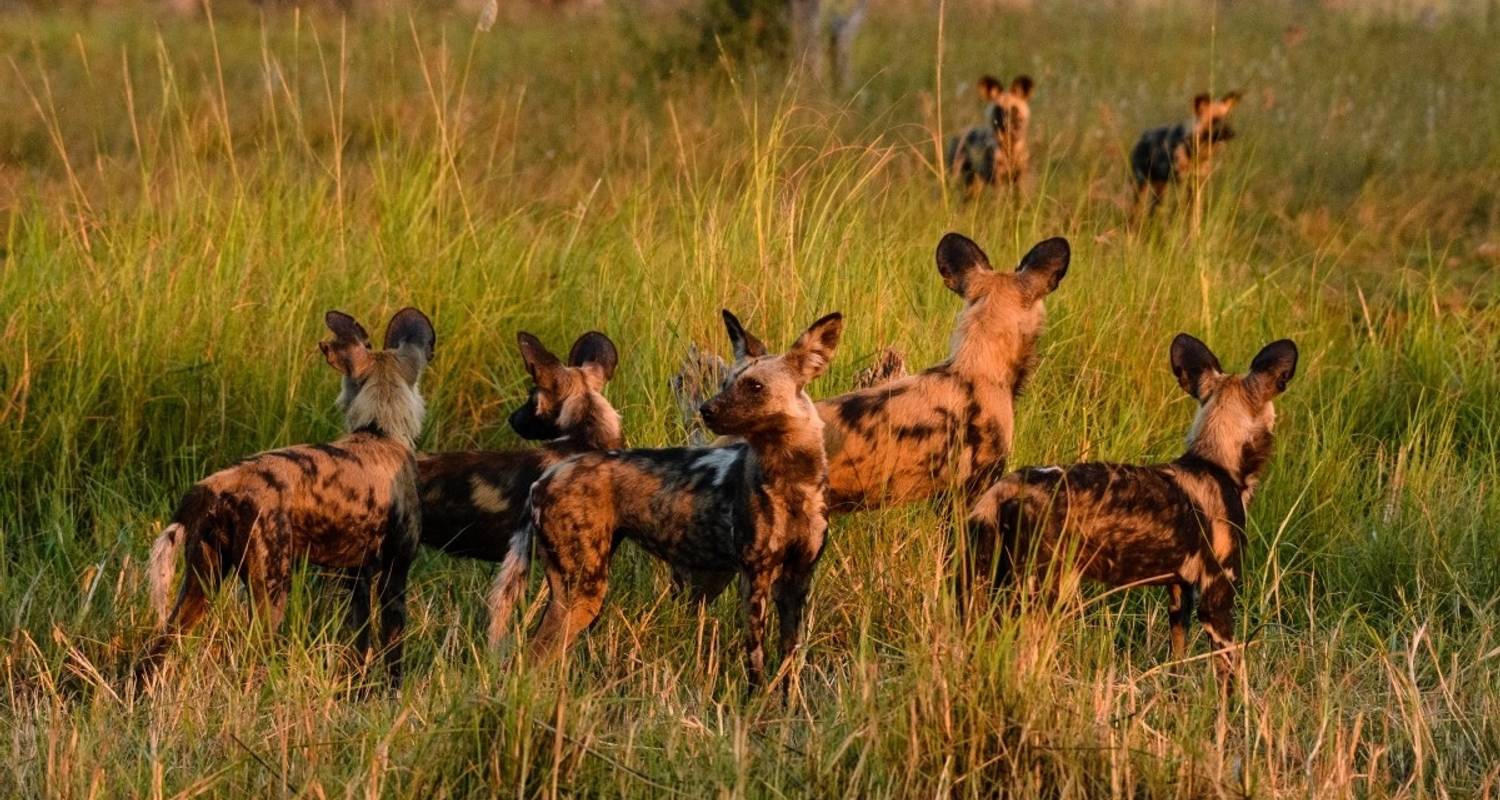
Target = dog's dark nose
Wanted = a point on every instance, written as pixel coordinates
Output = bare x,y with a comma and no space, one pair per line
707,412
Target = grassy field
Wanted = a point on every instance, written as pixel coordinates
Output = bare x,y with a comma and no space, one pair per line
182,200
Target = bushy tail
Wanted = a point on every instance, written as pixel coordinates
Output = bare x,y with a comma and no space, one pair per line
506,591
166,552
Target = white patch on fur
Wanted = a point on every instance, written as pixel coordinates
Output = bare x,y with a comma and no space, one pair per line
1048,470
720,460
1191,569
390,404
487,497
162,569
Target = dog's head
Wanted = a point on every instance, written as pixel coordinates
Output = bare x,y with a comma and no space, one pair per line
566,398
379,387
1003,313
1211,117
1010,107
765,395
1235,412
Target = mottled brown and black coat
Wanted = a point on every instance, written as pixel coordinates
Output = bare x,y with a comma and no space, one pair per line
1182,152
753,509
947,429
1179,524
350,505
474,501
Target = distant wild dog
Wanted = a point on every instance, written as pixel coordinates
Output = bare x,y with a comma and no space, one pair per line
1185,151
1179,525
996,151
753,509
473,502
350,505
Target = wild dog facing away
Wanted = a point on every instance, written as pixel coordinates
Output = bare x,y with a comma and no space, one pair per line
350,505
1182,152
754,509
473,502
949,426
995,152
1179,525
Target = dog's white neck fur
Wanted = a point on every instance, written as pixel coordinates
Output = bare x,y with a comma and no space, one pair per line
390,405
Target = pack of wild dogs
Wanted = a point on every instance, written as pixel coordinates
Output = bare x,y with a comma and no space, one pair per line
752,505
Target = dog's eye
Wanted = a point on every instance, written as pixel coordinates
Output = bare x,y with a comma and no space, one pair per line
754,386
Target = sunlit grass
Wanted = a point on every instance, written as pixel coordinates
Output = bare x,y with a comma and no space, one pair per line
182,201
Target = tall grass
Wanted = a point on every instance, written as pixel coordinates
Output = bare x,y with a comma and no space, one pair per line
184,198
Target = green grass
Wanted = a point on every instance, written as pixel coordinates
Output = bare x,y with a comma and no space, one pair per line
182,201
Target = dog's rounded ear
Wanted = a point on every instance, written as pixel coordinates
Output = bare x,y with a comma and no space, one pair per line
1230,99
345,328
1021,86
410,332
1045,265
594,348
745,344
1194,365
813,350
1201,103
349,349
538,359
1273,368
988,85
957,259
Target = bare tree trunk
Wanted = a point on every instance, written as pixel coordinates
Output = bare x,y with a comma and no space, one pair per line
808,50
843,28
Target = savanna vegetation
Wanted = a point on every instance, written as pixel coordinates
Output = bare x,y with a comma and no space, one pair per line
182,197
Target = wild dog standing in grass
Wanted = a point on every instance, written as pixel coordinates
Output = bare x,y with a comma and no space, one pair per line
1180,524
947,430
473,502
349,505
996,151
948,427
1185,151
753,509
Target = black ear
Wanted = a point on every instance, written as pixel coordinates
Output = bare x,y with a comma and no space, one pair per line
595,348
957,258
539,360
988,85
1193,364
1200,104
1022,86
345,328
745,344
1046,264
813,350
1273,367
410,331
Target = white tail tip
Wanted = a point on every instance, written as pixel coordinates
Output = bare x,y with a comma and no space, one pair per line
162,569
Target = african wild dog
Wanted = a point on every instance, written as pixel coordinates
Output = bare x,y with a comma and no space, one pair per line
753,509
1172,153
948,427
349,505
472,502
996,151
1180,524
